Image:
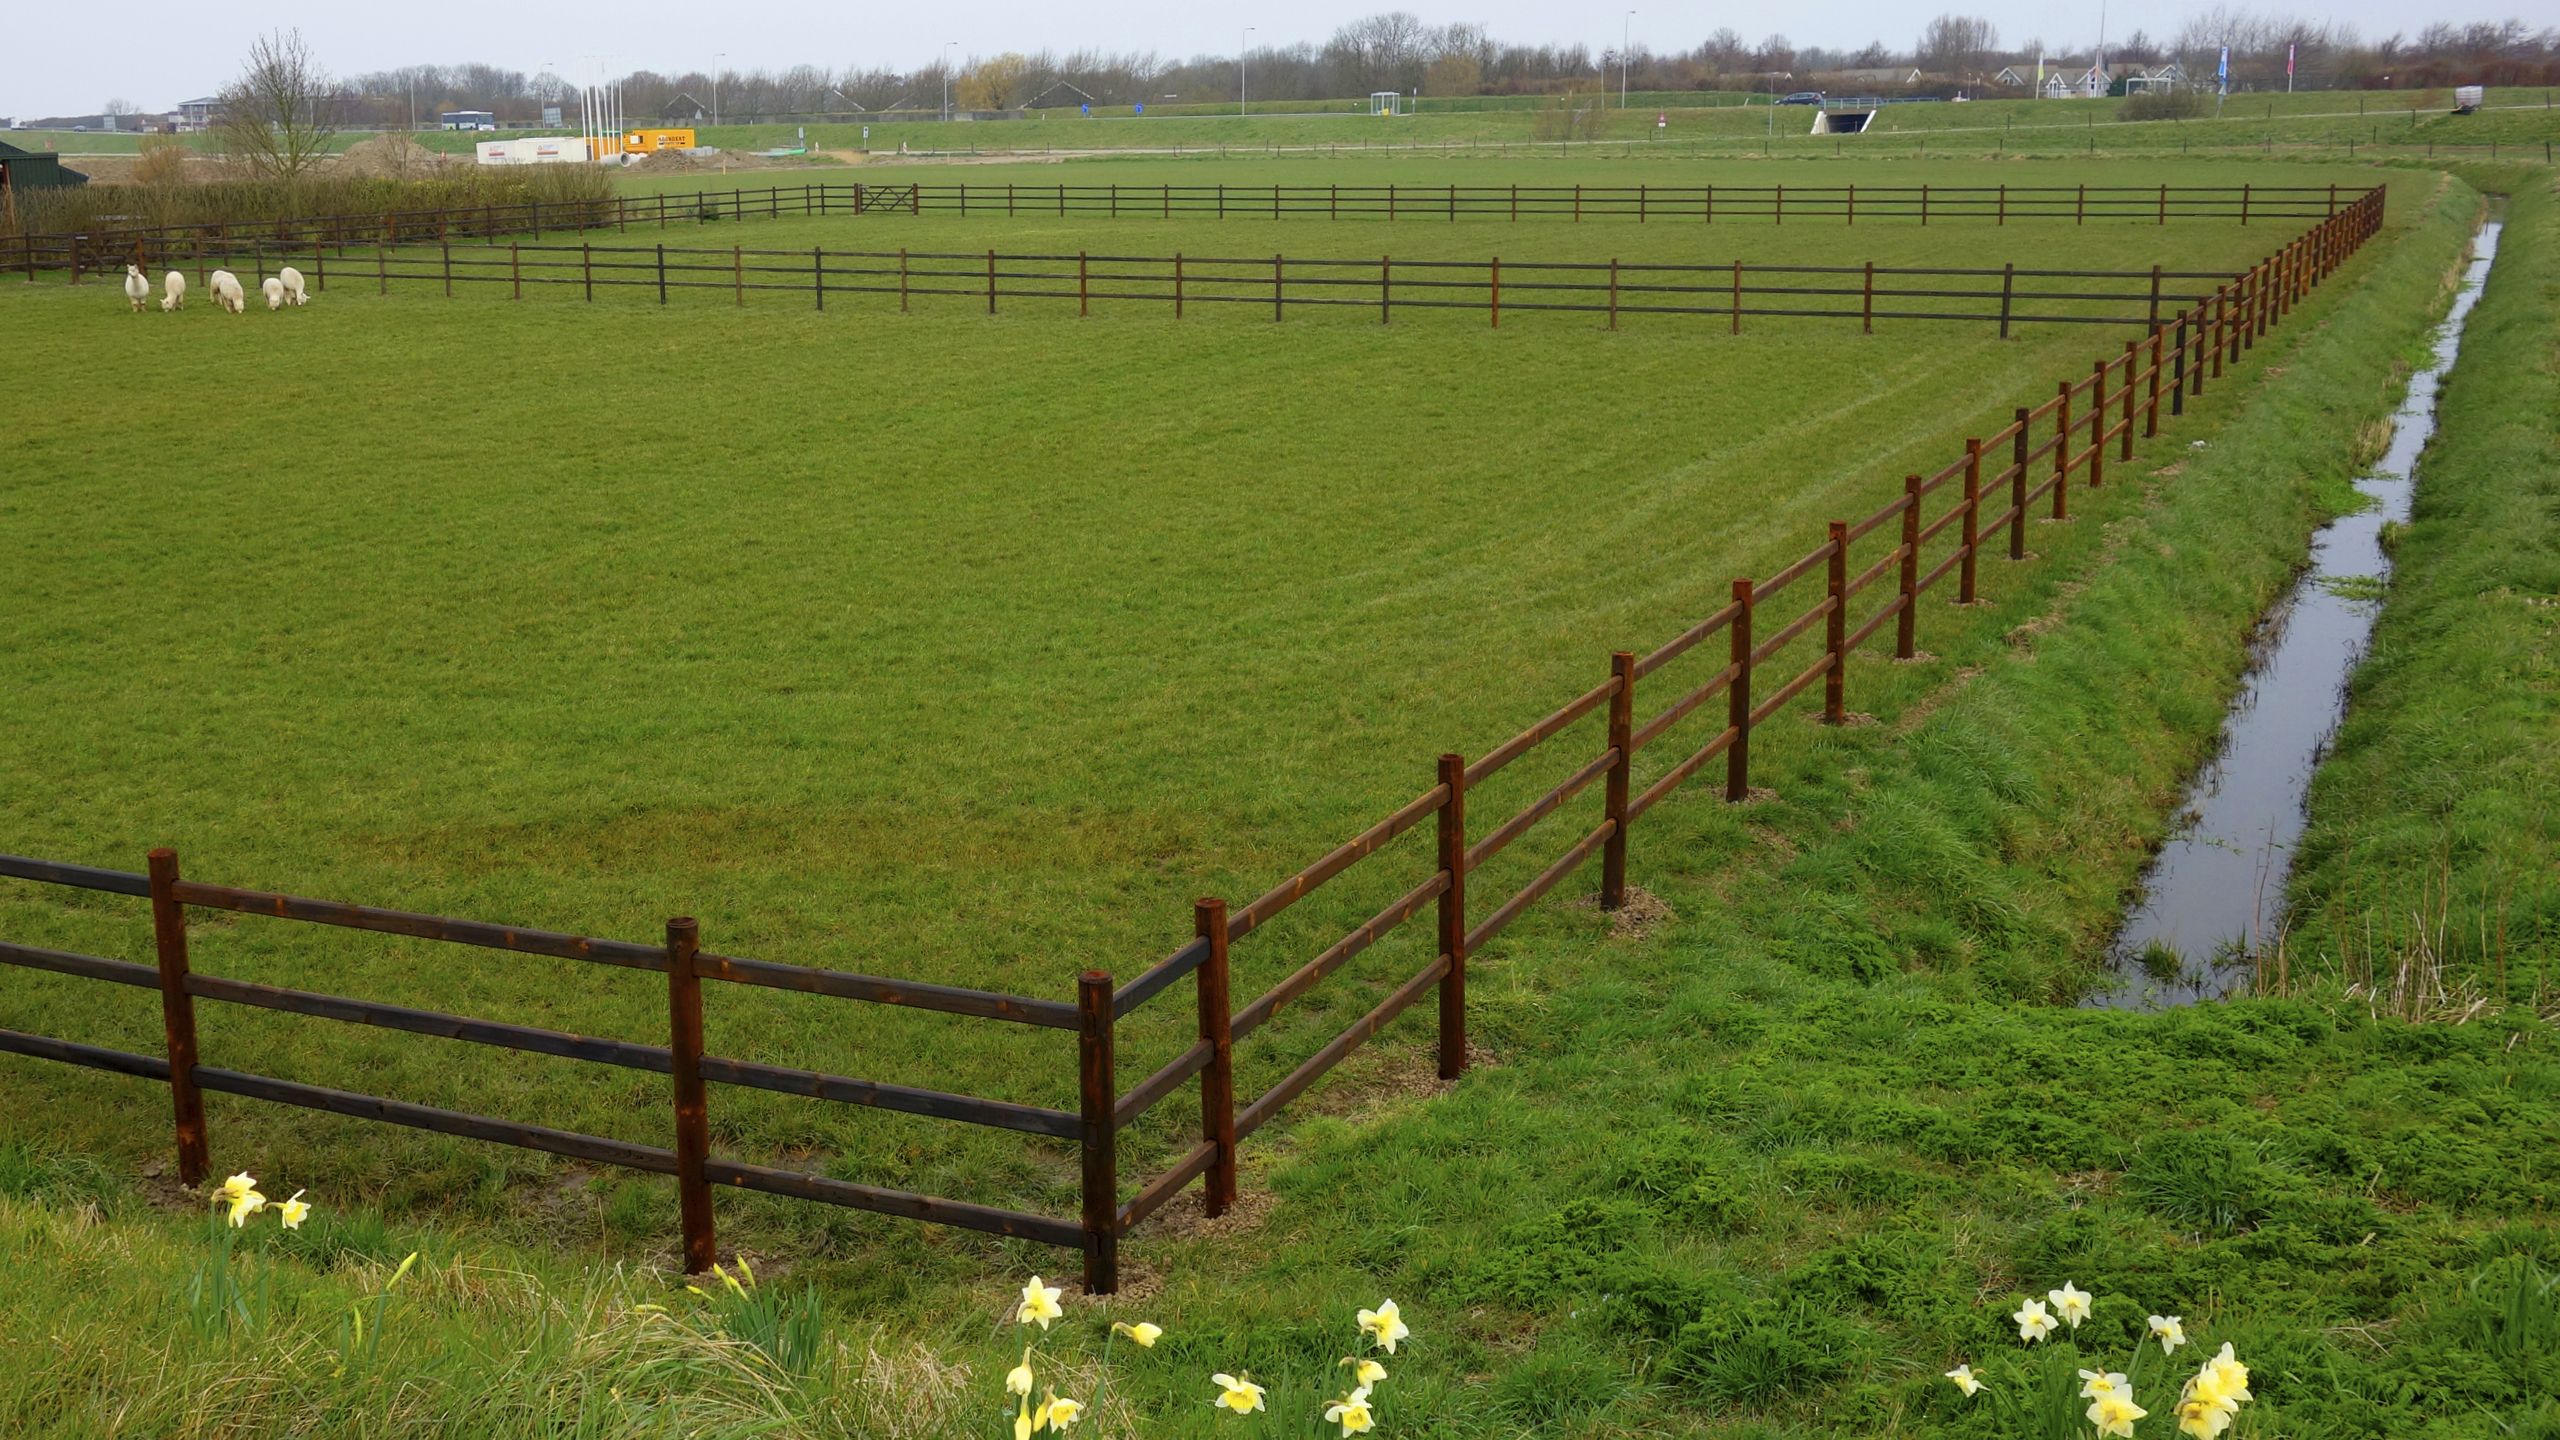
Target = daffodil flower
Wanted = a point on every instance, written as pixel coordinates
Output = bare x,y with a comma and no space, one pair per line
1239,1394
1017,1381
2230,1375
1039,1303
1145,1334
1058,1414
1384,1325
2071,1304
1351,1412
1023,1424
1965,1379
2114,1413
2033,1323
1364,1372
2201,1418
2171,1330
245,1204
294,1211
2094,1383
233,1188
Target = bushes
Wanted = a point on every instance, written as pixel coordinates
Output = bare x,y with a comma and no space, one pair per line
2163,105
268,203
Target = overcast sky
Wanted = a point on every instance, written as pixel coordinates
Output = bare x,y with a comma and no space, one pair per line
156,53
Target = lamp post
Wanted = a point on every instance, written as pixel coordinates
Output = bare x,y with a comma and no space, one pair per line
947,47
715,86
1626,27
1240,43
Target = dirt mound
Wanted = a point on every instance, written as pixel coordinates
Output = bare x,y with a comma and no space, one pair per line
395,156
677,162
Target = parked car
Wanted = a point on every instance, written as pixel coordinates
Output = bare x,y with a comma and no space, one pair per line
1803,97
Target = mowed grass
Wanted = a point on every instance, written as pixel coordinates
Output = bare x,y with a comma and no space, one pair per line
944,646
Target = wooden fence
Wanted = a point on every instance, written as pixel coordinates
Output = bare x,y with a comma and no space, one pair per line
110,247
1998,481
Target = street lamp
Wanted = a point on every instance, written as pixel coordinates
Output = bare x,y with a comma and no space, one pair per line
947,47
715,87
1240,42
1773,77
1626,27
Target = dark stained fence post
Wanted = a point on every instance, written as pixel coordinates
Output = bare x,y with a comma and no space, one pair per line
1218,1081
1835,630
2178,387
818,276
1737,297
1493,294
587,269
1101,1136
1084,284
2132,362
1277,284
2018,488
2008,288
1737,757
1453,918
2062,455
1867,316
693,1109
1622,727
662,274
2159,363
991,282
2099,370
1905,623
178,1015
1386,301
1177,284
1972,519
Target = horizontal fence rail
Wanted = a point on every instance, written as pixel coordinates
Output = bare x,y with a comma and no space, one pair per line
1863,584
110,247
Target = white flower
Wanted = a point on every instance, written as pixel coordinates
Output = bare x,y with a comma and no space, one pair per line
2033,1323
2073,1305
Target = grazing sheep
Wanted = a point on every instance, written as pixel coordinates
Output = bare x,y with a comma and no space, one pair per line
176,299
273,289
226,292
137,287
293,288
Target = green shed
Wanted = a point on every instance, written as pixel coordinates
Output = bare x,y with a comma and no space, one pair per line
32,170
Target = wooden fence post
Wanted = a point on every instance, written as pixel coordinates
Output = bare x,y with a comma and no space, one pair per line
447,247
178,1016
382,268
1494,294
1101,1135
1177,284
1906,623
2159,363
693,1112
2062,455
738,274
1277,290
1835,629
1453,918
1218,1081
515,270
1386,301
1867,309
1737,297
2008,289
2099,370
2124,442
2018,487
1084,285
662,274
1737,757
1622,726
991,282
2178,376
1972,519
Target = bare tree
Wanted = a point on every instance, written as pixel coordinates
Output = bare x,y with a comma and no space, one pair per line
280,115
1956,45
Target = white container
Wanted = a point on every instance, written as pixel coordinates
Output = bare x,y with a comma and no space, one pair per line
2467,98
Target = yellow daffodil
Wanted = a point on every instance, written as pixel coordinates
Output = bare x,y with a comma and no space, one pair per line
2033,1323
2229,1375
2201,1418
2171,1330
233,1188
1364,1372
731,1280
1384,1325
245,1204
1018,1380
1023,1424
1062,1413
1236,1393
2094,1383
1351,1412
1145,1334
294,1211
1039,1303
1965,1379
2072,1305
2114,1413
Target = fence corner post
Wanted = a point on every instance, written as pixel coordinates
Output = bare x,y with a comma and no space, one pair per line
178,1015
1218,1081
1100,1133
693,1113
1972,519
1453,918
1835,628
1737,756
1906,624
1622,724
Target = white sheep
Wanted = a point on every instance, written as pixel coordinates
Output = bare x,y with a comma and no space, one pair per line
226,292
273,289
293,287
137,287
176,299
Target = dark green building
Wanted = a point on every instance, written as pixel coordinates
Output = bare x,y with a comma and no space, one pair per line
30,170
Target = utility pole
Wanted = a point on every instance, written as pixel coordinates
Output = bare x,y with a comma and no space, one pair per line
715,87
947,47
1240,44
1626,28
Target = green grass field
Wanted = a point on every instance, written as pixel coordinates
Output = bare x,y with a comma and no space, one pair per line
971,649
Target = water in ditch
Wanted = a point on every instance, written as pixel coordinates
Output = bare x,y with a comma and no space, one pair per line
2215,892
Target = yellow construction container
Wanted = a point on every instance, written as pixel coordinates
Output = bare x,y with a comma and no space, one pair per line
650,142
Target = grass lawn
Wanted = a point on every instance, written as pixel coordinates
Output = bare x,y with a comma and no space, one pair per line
857,636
